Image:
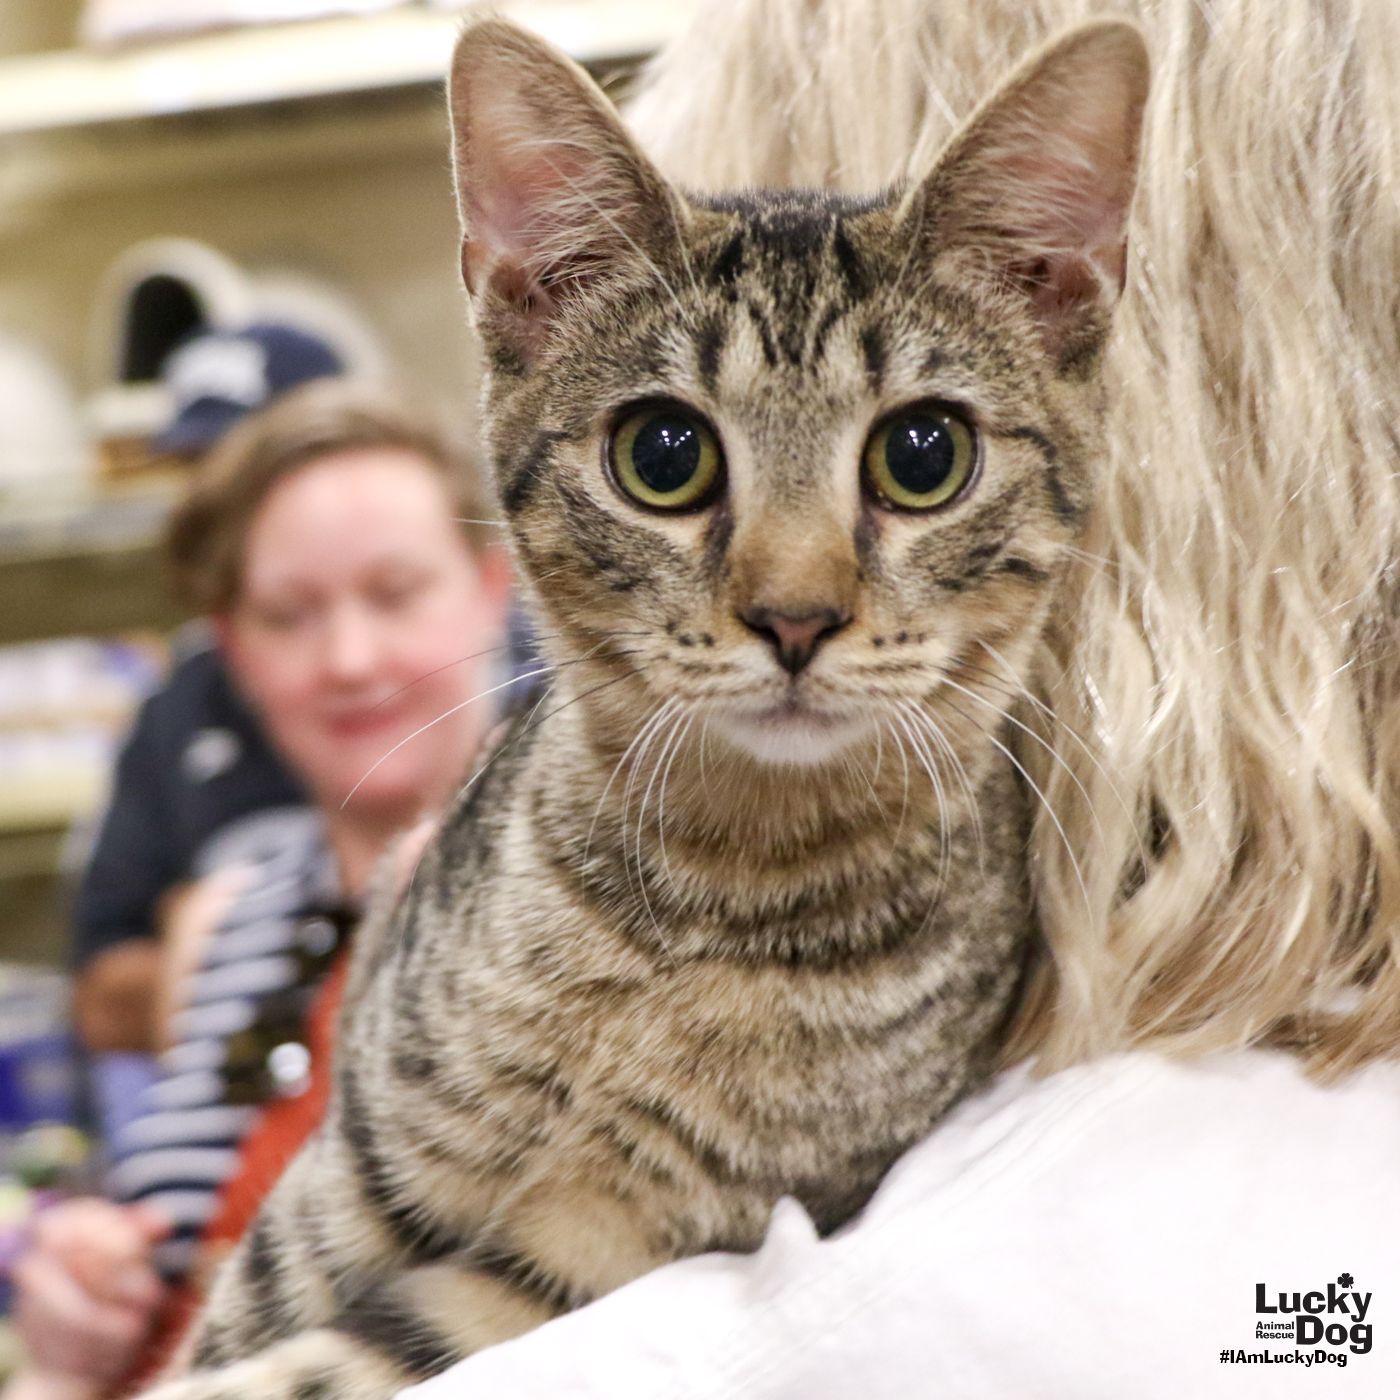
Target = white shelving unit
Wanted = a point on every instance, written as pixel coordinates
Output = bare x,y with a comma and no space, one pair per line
314,58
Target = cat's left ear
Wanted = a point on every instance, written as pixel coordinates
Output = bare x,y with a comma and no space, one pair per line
553,193
1036,187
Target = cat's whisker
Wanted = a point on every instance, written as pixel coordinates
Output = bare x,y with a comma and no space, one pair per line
704,739
1064,726
670,708
945,854
1030,733
631,673
535,708
531,723
638,749
849,769
588,655
871,779
669,759
1044,802
487,651
904,765
657,770
446,714
553,573
612,776
480,695
850,765
1102,563
472,520
930,726
930,759
926,762
437,670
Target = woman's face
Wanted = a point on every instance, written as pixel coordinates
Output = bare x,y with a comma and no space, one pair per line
358,607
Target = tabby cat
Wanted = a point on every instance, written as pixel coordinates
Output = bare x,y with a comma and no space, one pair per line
740,908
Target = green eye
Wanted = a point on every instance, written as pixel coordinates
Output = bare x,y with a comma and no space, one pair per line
920,458
665,456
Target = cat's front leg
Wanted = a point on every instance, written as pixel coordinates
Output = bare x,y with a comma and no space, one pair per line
393,1334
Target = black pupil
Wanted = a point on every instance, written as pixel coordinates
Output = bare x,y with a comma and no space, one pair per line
666,453
920,454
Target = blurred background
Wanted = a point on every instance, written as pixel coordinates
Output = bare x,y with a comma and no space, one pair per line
171,167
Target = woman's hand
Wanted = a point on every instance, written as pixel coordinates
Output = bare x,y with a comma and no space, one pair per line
86,1294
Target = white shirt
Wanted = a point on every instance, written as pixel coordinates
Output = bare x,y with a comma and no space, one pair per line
1101,1234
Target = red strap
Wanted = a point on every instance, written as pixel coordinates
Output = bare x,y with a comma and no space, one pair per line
274,1139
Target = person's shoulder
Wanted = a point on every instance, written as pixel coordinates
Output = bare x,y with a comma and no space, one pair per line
206,747
198,691
194,695
204,725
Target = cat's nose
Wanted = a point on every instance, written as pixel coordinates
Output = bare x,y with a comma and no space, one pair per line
794,636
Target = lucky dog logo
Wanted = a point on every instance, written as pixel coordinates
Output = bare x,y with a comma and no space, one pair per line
1315,1322
1335,1315
1331,1316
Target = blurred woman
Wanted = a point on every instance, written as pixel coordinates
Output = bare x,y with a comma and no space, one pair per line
334,542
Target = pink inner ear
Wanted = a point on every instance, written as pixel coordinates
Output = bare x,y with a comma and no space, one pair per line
1057,188
1070,184
1060,283
554,195
523,203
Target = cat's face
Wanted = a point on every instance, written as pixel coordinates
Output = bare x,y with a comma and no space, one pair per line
798,463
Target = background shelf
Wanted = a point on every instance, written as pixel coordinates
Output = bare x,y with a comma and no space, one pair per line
33,913
90,569
314,58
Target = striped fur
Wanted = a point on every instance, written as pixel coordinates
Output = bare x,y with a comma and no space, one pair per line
653,975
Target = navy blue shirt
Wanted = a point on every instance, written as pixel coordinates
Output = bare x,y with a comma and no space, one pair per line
195,783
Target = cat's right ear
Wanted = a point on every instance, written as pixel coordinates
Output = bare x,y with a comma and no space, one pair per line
553,193
1035,189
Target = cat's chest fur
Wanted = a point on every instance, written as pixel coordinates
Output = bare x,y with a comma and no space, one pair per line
747,1030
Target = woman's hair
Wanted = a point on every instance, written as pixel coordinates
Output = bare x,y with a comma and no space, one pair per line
1224,752
208,529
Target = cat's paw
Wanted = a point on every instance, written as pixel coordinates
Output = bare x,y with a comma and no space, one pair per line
322,1363
206,1387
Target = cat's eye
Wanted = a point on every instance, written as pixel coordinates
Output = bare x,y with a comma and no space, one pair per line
920,457
666,457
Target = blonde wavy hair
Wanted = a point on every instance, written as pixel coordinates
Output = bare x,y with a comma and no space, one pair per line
1221,705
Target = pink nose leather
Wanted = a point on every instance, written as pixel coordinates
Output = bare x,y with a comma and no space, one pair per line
794,637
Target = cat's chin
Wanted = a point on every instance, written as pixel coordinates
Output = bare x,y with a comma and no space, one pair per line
790,735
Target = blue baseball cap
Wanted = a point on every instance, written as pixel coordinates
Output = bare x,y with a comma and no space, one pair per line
215,377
